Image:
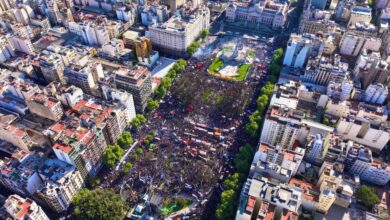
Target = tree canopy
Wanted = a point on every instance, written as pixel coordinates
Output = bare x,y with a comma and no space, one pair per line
102,204
367,196
125,139
153,105
137,121
112,154
204,33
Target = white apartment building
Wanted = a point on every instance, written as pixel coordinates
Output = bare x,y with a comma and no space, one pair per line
323,70
275,162
377,174
299,48
280,131
351,44
92,31
176,34
125,98
340,91
6,49
126,15
360,131
359,15
23,208
21,44
60,184
376,93
315,148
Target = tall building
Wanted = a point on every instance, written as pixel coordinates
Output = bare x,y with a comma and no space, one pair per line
314,21
300,48
137,82
15,135
361,131
315,149
52,68
176,34
6,49
280,164
353,43
340,91
60,184
44,106
24,208
326,199
53,13
323,70
376,93
261,190
359,15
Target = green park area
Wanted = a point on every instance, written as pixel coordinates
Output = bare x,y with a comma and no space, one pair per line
242,71
216,65
173,205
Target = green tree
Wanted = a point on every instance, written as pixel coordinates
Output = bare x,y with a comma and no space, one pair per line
160,92
94,181
178,68
204,33
232,182
244,159
268,89
172,74
274,69
367,196
127,167
139,151
181,62
153,105
194,46
125,139
228,206
166,82
262,102
252,129
137,121
112,154
98,204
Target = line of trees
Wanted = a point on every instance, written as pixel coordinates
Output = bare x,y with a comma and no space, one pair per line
194,46
166,84
255,120
98,204
232,185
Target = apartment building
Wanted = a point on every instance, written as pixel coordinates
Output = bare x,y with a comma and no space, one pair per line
60,184
278,163
280,128
314,21
376,93
24,208
360,130
359,37
323,70
262,190
340,91
14,134
359,14
137,82
45,106
176,34
52,67
300,48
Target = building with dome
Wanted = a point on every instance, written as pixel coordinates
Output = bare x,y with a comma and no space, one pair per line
265,12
